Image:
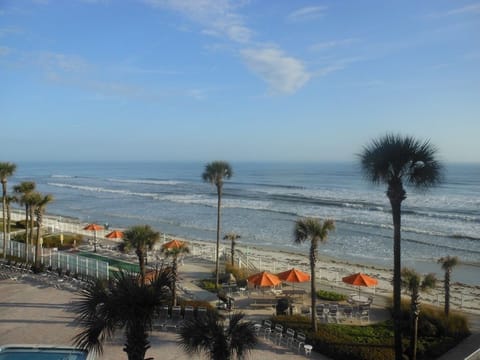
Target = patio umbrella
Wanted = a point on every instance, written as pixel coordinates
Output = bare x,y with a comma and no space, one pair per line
94,228
173,244
264,279
294,276
360,279
115,234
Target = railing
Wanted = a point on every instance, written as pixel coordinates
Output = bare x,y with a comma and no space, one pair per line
59,260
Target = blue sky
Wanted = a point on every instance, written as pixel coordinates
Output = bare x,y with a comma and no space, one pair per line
236,80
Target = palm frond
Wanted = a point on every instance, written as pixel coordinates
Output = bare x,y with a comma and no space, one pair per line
395,157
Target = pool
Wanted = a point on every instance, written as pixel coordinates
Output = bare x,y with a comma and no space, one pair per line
41,352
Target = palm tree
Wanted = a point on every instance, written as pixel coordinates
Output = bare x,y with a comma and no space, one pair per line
448,263
32,199
141,238
174,253
39,211
215,173
6,170
413,283
232,237
316,231
126,303
393,160
219,342
23,190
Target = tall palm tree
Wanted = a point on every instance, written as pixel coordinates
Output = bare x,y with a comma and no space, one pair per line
448,263
219,342
39,212
395,160
23,190
232,237
315,231
141,238
215,173
7,169
413,283
174,253
126,303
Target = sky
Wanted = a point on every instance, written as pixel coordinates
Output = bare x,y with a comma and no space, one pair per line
265,80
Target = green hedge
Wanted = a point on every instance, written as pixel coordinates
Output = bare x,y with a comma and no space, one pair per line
375,342
330,295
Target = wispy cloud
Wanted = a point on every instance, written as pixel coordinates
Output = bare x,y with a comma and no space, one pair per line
307,13
325,45
4,51
283,73
56,61
217,16
471,9
335,65
10,30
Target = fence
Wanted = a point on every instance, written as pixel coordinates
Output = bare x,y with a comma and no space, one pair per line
59,260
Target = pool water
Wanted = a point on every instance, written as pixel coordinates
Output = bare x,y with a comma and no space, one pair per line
41,353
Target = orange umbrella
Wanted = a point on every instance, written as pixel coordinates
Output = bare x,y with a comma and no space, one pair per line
294,276
360,279
115,234
264,279
94,228
173,244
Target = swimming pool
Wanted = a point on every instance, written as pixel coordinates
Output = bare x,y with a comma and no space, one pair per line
41,352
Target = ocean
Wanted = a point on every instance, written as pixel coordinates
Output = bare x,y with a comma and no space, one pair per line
262,201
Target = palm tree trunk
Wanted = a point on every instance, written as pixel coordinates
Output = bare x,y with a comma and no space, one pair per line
174,285
313,288
141,263
415,308
4,206
447,292
26,233
233,253
396,195
32,223
37,242
137,341
217,260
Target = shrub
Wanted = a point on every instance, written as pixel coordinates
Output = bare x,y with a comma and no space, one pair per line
239,273
51,241
330,296
209,285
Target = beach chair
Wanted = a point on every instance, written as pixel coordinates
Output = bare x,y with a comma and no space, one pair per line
364,313
188,315
162,320
299,342
289,337
333,313
267,328
201,313
278,333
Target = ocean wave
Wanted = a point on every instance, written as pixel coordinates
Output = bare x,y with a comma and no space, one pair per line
102,190
148,182
62,176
